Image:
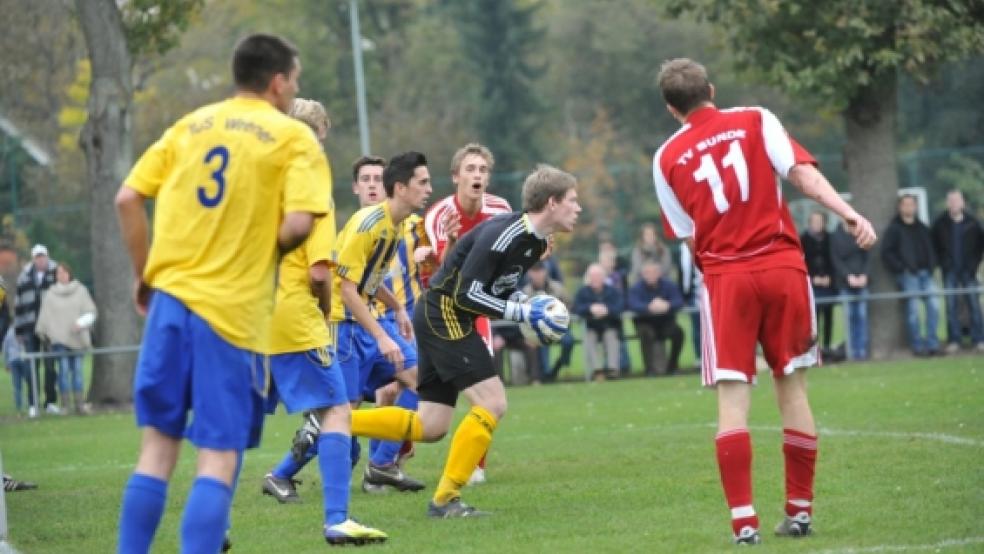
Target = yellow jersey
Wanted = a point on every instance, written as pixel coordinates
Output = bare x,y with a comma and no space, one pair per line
223,177
298,323
404,278
364,251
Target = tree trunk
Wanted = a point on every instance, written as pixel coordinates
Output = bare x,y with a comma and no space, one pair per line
873,179
108,148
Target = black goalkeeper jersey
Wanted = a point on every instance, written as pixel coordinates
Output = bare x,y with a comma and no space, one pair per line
480,272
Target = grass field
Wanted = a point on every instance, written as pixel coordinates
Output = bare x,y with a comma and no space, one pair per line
622,466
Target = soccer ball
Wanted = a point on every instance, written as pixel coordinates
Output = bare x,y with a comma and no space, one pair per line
548,320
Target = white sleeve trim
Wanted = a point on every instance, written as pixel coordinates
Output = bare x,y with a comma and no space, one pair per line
777,144
480,297
680,222
432,219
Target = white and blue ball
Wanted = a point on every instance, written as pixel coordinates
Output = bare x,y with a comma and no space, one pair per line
548,320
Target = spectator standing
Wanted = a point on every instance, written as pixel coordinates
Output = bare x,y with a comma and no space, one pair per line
648,247
959,241
692,287
617,275
34,279
816,250
67,313
600,305
540,282
655,300
851,278
20,372
908,254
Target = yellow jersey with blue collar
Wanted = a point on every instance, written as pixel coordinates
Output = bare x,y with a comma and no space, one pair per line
222,178
365,249
404,277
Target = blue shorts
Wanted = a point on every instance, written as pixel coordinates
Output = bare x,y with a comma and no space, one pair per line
306,381
185,366
376,380
359,357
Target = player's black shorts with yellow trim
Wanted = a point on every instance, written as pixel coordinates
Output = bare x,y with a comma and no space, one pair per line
451,356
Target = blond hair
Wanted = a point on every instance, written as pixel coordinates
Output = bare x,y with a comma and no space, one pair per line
311,112
471,148
544,183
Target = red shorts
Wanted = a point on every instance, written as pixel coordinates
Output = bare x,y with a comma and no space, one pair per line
484,329
772,307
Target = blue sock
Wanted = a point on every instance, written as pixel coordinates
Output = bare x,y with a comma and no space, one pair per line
143,506
205,515
235,483
288,468
387,451
336,474
373,446
355,452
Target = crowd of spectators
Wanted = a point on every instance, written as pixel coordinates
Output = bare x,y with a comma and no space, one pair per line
52,316
645,291
48,311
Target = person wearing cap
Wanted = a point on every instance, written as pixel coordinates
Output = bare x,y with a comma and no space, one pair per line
36,277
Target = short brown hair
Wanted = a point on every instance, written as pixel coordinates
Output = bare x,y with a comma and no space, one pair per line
363,161
684,84
471,148
67,268
544,183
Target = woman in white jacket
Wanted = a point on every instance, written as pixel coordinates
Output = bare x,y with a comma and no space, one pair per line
67,313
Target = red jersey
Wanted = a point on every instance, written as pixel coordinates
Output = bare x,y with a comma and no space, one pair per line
492,205
716,179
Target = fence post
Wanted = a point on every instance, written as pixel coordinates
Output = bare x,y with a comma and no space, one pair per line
846,308
5,547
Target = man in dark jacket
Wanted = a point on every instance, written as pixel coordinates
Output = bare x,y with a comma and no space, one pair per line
33,280
600,306
959,241
654,301
908,254
816,252
851,279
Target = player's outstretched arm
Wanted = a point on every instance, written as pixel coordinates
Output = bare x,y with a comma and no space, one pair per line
295,228
813,184
133,227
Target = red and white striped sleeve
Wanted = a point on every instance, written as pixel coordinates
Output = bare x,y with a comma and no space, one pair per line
432,226
783,151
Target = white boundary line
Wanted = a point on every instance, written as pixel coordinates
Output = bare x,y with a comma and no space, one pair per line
822,432
947,543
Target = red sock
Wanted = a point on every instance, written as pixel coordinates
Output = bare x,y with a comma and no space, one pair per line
734,455
481,463
800,451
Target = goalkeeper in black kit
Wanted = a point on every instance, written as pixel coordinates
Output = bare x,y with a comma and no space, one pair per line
480,276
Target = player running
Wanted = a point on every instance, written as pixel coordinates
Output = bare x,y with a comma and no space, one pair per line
453,217
479,276
305,377
716,179
364,344
234,183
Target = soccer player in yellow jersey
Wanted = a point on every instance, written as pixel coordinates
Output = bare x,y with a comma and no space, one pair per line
370,347
304,375
235,184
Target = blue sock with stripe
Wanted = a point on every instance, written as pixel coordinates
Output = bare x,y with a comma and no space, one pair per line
143,505
205,516
334,450
387,451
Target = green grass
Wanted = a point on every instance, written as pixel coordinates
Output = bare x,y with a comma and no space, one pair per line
611,467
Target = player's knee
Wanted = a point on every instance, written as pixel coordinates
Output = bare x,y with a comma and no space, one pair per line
433,435
496,407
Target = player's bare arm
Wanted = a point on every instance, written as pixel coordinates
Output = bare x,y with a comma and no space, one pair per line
399,311
294,230
360,311
813,184
133,226
319,278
